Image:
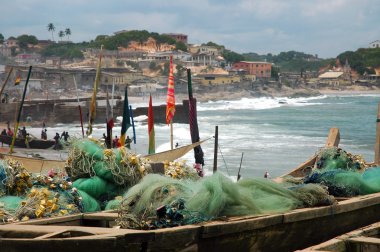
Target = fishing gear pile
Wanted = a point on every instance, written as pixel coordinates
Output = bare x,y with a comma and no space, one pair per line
344,174
101,174
180,170
159,201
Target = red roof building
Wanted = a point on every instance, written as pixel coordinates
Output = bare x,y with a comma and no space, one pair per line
261,69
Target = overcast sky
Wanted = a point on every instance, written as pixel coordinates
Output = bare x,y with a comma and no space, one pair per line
323,27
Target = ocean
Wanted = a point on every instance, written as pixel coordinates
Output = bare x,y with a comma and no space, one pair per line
275,134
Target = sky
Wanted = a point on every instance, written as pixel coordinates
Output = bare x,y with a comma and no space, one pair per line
323,27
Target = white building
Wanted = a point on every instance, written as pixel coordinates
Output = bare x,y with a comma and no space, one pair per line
374,44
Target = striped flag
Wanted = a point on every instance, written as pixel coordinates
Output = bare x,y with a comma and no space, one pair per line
126,123
170,99
152,144
18,80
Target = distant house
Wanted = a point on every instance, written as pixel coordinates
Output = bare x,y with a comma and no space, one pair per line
212,79
204,49
5,51
178,37
374,44
262,70
332,78
27,58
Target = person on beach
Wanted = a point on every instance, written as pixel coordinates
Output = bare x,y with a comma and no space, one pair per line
10,132
56,139
3,133
128,142
116,142
23,132
266,175
44,134
66,136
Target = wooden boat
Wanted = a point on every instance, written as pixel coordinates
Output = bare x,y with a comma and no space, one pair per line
289,231
363,239
33,143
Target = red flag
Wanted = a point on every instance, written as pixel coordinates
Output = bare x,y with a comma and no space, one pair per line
170,99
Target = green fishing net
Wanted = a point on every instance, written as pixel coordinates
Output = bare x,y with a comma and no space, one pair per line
96,187
89,203
158,201
344,174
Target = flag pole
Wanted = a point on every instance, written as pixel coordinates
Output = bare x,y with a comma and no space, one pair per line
171,134
5,82
92,113
79,107
133,124
20,110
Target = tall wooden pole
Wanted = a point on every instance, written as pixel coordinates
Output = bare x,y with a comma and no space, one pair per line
5,82
79,107
171,134
377,144
20,110
216,150
241,161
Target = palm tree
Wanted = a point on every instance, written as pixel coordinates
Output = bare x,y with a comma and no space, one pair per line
51,28
61,34
68,33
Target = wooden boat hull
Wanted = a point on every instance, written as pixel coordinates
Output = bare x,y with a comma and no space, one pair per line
35,165
33,143
280,232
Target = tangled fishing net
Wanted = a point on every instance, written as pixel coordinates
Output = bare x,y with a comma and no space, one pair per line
344,174
14,178
119,166
159,201
180,170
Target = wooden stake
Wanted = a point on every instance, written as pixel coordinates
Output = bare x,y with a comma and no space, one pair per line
377,144
5,82
333,138
216,150
171,134
241,161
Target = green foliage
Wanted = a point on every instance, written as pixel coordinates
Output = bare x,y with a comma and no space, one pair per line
165,71
220,47
24,40
152,65
363,60
123,39
231,56
66,51
290,61
180,46
274,72
1,38
133,64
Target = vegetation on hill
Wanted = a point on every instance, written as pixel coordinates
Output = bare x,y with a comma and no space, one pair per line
362,60
228,55
291,61
65,50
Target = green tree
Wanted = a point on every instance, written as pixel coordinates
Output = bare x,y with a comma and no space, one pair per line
68,33
61,34
24,40
231,56
181,46
51,28
1,38
165,71
274,72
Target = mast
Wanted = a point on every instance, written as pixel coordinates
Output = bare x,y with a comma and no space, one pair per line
79,107
20,110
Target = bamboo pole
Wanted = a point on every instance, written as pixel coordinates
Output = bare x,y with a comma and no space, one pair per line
20,110
377,144
241,161
215,168
171,134
5,82
79,107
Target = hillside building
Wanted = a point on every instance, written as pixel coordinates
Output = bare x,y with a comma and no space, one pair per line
178,37
374,44
262,70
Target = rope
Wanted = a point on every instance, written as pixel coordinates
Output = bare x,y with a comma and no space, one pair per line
220,150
